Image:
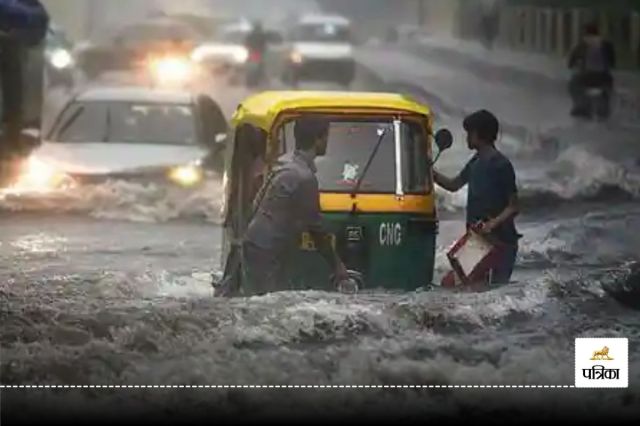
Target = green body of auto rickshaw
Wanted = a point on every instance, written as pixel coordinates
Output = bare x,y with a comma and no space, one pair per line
376,185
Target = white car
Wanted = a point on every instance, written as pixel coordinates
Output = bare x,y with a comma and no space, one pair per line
321,49
129,133
227,54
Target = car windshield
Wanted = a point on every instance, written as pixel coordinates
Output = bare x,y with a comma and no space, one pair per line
153,33
127,122
322,33
351,144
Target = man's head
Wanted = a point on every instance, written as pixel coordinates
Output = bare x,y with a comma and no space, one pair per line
257,26
482,128
311,133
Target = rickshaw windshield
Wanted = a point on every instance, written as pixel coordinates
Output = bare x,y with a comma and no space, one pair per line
350,145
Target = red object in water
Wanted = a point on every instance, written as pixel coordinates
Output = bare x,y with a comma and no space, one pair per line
472,257
255,56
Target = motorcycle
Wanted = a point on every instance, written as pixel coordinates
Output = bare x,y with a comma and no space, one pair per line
597,103
591,98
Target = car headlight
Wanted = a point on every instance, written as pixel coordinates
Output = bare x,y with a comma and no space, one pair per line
296,57
186,176
241,55
171,69
37,175
61,59
197,55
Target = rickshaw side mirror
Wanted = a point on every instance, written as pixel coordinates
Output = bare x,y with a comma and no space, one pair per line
218,144
220,138
31,137
444,139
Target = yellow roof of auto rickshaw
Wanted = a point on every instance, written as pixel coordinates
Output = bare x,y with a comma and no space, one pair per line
262,109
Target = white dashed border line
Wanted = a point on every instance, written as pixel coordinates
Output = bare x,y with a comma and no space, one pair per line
287,386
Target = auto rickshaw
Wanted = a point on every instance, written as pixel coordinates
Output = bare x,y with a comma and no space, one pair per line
376,185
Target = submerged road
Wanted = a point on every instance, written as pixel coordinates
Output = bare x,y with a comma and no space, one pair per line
110,285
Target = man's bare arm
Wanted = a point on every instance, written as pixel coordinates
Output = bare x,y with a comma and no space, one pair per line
449,184
325,248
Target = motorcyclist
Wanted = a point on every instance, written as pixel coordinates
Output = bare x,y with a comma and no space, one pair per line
256,44
592,60
256,41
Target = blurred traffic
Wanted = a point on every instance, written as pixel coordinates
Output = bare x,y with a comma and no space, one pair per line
159,53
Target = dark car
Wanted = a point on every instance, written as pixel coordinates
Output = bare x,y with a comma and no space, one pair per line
131,45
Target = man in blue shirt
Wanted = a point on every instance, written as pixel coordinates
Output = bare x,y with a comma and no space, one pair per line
492,192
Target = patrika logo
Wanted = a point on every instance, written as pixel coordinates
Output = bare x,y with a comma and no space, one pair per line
607,367
601,355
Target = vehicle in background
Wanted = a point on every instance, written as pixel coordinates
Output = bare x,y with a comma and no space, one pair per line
207,26
320,49
128,133
60,64
157,50
226,55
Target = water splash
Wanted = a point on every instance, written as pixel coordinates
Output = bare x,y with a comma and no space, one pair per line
123,200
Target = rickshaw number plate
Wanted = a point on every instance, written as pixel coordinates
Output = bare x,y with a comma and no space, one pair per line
308,244
354,234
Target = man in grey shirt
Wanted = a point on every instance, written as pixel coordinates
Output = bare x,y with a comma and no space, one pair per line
287,205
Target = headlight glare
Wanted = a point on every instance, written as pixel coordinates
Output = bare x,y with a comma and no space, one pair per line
296,57
40,176
171,70
186,176
61,59
241,55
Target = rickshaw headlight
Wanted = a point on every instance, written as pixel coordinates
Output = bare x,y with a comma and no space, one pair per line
186,176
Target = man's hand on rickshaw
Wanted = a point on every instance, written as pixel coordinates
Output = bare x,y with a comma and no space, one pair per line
341,273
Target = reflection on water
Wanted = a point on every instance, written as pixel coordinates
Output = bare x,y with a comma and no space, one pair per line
39,243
